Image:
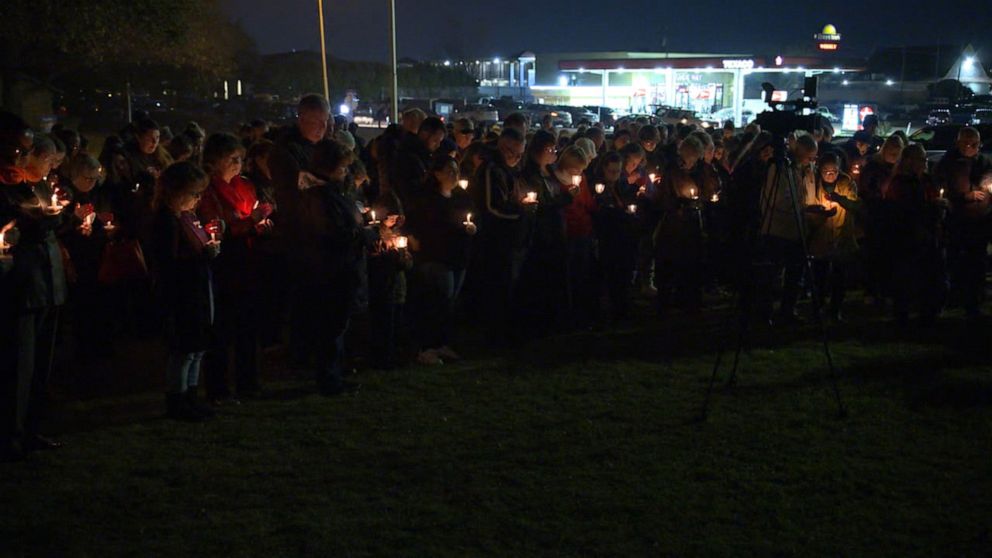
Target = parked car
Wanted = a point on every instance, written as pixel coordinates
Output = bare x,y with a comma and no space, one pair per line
677,116
482,115
726,114
608,116
982,116
559,118
581,113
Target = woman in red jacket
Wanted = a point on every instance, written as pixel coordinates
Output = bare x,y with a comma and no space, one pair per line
233,200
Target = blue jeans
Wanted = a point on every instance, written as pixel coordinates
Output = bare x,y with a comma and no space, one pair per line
183,371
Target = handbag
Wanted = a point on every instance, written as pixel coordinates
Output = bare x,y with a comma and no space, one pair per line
122,260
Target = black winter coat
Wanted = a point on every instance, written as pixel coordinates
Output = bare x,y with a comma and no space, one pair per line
184,285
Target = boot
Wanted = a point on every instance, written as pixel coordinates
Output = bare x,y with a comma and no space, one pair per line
178,408
198,406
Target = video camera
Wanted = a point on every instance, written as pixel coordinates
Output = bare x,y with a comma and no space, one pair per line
787,116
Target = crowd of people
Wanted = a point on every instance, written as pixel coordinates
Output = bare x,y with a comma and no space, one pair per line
225,243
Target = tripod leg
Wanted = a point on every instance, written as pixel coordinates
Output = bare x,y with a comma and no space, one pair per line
709,388
741,339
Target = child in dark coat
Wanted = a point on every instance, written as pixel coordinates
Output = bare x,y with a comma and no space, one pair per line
183,250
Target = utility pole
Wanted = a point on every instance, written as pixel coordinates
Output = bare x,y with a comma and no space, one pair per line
323,49
394,82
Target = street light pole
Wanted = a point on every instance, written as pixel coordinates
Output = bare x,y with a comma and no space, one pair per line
323,48
394,82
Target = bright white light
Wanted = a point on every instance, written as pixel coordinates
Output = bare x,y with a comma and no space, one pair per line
889,82
836,70
447,62
563,81
582,69
496,60
845,82
778,60
969,62
345,109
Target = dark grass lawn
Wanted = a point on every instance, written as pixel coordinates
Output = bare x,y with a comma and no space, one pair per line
581,445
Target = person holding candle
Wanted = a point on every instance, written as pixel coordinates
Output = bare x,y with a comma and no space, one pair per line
442,231
680,235
502,208
33,289
579,238
913,235
85,237
336,242
832,241
542,294
183,254
616,230
233,199
966,176
387,277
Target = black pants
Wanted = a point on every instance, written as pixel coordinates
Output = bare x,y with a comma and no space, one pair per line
236,327
618,260
830,277
385,318
781,269
26,367
324,312
967,255
918,281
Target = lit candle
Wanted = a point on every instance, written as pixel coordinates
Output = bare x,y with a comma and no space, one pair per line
652,177
631,209
463,184
55,200
531,197
88,220
642,190
373,217
692,194
401,242
715,198
468,219
576,180
600,188
941,193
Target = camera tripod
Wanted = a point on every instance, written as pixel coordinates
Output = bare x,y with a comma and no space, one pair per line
747,291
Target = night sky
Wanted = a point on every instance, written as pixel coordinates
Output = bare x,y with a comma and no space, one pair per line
357,29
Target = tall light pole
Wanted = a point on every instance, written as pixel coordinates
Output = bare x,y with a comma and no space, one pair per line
394,82
323,48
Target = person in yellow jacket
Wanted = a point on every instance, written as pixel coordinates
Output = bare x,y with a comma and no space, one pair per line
833,235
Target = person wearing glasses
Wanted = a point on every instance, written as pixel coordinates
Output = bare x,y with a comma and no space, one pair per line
832,241
965,174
